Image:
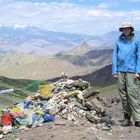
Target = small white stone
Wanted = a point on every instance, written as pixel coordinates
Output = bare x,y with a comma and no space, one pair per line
122,136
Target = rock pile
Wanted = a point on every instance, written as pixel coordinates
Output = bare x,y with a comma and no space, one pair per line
70,99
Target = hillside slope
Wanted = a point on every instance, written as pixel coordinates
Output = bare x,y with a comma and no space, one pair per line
101,77
19,94
25,66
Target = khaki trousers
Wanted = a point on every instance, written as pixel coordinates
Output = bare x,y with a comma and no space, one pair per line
128,91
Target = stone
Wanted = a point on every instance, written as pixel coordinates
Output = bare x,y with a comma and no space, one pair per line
60,122
92,118
89,92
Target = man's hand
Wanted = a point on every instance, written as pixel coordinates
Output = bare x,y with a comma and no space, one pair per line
115,76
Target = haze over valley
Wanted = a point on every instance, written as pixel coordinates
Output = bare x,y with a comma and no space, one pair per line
33,53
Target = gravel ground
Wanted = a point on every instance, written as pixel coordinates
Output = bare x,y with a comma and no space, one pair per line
81,129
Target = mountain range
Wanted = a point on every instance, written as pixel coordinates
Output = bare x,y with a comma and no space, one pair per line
27,66
32,53
37,41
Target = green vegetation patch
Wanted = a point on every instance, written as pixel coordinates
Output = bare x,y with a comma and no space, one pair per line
108,89
19,94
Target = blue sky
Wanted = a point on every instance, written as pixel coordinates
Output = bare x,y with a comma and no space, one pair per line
93,17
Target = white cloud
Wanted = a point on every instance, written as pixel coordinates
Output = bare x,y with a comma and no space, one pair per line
66,17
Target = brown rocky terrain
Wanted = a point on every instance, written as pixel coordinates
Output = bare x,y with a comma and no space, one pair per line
25,66
82,129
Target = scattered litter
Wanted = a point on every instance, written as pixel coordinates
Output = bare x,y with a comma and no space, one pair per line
6,91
